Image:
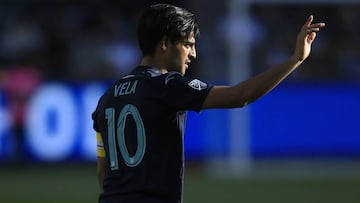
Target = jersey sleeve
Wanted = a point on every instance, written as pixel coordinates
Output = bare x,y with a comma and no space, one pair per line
95,120
99,140
185,93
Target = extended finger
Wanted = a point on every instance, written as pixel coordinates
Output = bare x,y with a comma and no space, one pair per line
309,21
316,25
315,29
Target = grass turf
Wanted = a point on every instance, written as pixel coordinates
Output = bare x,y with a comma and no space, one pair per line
78,184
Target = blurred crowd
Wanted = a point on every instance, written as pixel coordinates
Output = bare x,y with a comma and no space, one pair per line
79,42
68,41
335,55
60,41
97,41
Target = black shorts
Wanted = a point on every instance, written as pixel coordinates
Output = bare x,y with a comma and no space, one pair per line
138,198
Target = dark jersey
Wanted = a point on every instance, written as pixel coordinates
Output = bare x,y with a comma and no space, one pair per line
141,119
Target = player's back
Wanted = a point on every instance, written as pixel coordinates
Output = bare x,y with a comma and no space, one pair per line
143,138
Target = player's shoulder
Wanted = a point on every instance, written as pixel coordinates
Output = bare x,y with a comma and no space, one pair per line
178,79
173,76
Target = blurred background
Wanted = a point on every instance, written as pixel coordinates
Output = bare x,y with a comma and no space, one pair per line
299,143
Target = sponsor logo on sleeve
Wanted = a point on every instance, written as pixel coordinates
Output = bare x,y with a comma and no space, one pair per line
197,84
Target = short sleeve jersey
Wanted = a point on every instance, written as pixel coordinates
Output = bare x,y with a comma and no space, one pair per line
141,119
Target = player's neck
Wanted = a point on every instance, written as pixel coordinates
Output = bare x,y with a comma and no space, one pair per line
153,62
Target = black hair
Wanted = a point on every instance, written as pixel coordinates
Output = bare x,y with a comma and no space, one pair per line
164,20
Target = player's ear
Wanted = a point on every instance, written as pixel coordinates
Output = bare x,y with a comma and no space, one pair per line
163,44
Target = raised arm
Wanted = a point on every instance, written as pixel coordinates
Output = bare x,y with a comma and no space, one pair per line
256,87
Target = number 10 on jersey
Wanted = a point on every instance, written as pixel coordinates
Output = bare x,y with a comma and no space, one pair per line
116,136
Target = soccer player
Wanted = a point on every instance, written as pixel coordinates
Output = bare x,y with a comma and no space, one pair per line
140,119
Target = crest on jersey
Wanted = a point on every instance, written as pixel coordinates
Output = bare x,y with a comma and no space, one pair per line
197,84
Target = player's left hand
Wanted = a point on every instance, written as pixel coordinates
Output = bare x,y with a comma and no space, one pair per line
306,37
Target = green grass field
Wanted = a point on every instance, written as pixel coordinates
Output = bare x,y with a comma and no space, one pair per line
78,184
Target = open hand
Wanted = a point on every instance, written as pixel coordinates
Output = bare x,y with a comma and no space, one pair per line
306,37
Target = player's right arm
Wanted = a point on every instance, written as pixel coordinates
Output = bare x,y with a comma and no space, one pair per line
100,161
248,91
256,87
